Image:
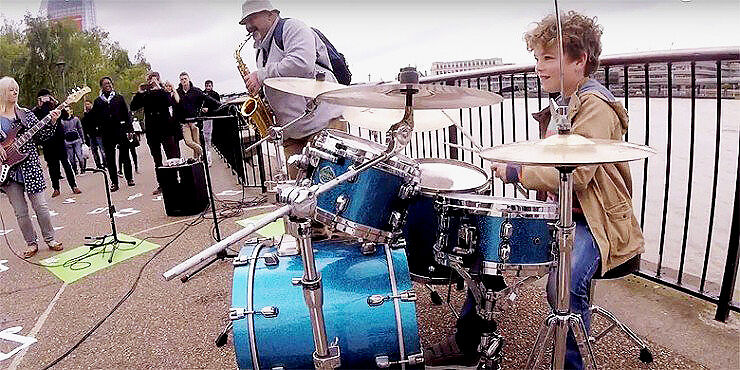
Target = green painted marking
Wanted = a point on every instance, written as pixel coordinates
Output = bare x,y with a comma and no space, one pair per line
274,229
75,267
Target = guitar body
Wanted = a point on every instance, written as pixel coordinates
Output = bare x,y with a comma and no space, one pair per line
13,156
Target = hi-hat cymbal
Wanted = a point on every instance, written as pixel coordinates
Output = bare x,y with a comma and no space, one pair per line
567,150
381,119
391,96
307,87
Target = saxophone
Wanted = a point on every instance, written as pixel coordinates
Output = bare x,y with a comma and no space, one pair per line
254,109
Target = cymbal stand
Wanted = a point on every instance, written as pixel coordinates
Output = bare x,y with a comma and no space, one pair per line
561,320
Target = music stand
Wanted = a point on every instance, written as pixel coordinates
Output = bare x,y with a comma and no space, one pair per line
101,240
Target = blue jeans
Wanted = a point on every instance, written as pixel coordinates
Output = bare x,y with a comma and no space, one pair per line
584,263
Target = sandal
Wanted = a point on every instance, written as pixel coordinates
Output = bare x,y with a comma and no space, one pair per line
55,245
31,251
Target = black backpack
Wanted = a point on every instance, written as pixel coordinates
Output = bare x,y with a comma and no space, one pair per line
338,64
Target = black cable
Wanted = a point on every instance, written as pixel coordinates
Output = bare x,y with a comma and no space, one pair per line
130,291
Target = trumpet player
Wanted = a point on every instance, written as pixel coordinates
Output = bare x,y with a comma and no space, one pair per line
303,54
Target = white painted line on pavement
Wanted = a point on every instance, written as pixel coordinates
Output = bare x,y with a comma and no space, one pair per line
137,195
37,327
5,232
4,268
10,334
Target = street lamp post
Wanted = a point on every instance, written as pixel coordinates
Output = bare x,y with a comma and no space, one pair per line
62,64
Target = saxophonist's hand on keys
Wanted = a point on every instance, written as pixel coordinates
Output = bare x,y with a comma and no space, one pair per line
253,83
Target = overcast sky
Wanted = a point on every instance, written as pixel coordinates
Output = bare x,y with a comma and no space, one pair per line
380,36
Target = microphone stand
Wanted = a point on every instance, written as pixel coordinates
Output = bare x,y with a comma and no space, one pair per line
223,254
100,241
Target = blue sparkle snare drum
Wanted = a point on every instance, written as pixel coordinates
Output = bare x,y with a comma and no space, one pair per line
279,334
492,234
371,206
438,176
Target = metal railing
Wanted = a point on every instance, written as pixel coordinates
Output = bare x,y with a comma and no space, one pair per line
651,86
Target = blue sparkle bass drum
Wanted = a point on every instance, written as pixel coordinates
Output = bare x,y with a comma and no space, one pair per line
369,307
371,206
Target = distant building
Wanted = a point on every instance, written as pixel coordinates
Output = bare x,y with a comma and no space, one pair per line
82,12
440,68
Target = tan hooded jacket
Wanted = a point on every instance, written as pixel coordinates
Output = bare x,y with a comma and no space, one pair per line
603,191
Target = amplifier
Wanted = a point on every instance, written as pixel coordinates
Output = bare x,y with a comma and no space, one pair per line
183,189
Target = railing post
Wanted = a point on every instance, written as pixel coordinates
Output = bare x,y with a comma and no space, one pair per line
733,256
452,131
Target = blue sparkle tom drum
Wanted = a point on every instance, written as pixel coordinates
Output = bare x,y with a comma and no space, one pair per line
493,234
371,206
369,307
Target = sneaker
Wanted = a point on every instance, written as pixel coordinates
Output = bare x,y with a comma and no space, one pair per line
77,191
157,191
113,188
55,245
131,183
55,193
447,355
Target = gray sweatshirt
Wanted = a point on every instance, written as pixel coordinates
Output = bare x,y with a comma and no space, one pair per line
72,124
302,47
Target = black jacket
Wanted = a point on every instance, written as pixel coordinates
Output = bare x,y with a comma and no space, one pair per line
157,104
89,127
113,120
192,101
214,104
54,145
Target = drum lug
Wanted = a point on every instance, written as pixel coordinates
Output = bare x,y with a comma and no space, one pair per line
395,220
368,248
385,362
341,203
467,235
507,230
352,167
238,313
408,191
504,251
376,300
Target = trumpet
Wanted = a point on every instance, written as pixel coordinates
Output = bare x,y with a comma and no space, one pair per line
254,109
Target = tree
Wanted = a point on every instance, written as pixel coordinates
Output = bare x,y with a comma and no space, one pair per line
32,55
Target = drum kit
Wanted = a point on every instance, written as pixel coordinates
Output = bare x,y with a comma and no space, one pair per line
349,301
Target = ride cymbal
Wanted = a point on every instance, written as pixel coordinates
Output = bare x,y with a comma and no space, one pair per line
567,150
393,96
381,119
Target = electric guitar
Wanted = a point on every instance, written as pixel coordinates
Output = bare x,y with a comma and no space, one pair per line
14,141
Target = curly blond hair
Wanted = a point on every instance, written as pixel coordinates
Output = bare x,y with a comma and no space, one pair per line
581,34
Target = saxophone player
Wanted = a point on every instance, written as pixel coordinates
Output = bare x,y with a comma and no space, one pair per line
303,54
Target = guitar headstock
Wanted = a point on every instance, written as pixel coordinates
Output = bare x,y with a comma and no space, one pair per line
76,95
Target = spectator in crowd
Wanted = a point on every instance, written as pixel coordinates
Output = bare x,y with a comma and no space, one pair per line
161,128
111,113
135,142
92,137
192,101
208,108
26,180
53,147
303,54
73,135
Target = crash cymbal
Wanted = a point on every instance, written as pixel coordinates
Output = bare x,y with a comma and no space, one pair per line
307,87
567,150
381,119
391,96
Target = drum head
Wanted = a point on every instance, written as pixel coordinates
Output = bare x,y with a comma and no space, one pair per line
500,206
448,175
330,138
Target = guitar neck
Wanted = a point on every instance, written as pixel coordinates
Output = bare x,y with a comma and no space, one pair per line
28,134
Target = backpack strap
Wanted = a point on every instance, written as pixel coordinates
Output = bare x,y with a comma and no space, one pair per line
277,35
